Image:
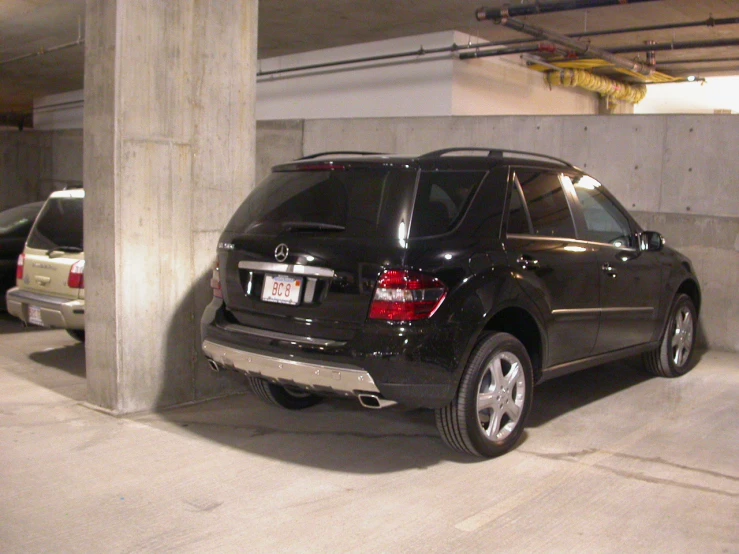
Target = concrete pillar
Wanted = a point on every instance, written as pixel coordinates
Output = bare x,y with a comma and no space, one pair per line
169,142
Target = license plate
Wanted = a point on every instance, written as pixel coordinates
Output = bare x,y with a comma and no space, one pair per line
34,315
282,289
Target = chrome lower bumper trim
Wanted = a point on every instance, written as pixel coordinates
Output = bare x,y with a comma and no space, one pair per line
348,381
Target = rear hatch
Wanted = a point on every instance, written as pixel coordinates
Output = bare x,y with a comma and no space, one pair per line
302,254
54,245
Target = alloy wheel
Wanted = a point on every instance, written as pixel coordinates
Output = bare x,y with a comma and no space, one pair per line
501,395
682,339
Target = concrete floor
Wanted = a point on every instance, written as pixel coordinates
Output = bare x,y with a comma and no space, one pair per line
612,461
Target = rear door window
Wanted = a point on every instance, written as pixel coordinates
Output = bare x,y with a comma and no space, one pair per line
58,225
442,200
547,203
518,219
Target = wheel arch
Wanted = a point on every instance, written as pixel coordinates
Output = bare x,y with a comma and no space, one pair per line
520,323
690,287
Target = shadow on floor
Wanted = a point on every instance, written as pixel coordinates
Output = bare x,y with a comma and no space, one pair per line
562,395
69,358
60,368
10,324
336,435
339,435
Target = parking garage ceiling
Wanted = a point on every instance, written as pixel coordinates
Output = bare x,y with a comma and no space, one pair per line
42,41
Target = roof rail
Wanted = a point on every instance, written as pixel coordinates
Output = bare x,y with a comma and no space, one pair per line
495,153
340,152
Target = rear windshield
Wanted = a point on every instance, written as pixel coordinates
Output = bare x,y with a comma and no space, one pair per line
365,202
59,225
16,222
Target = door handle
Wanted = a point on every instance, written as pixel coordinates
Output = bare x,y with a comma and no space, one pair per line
609,270
527,262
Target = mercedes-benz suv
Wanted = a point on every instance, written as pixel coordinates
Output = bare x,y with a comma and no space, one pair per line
454,281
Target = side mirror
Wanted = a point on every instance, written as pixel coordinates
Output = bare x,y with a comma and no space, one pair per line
651,241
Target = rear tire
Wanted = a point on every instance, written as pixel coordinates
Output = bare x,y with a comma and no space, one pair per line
488,415
77,334
674,356
277,395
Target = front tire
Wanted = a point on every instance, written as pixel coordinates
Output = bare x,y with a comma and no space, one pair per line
292,399
674,357
488,415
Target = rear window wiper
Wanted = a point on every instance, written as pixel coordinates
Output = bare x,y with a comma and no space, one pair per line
311,226
64,249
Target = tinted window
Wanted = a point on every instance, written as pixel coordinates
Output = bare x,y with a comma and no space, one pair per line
604,221
518,222
352,202
547,204
58,225
442,200
16,222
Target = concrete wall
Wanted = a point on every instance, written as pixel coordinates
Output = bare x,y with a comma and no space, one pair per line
677,174
59,111
33,164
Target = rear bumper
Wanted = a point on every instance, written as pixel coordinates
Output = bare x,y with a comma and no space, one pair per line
346,381
382,363
55,312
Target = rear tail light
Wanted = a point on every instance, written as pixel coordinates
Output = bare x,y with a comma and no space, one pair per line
77,275
403,295
215,281
19,267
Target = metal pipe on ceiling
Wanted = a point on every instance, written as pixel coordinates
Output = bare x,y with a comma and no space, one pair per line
699,60
665,46
710,22
495,14
381,57
572,44
43,51
471,51
685,45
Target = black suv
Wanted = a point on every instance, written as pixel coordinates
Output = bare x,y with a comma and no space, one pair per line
454,281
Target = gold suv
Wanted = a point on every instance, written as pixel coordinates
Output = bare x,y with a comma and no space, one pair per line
50,280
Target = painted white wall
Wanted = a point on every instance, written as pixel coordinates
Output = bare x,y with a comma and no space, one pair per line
429,85
417,87
717,93
58,111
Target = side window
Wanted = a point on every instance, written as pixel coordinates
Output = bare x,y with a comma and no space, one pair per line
604,221
443,198
518,221
547,203
485,213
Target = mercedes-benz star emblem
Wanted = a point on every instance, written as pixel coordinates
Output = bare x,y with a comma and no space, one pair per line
281,252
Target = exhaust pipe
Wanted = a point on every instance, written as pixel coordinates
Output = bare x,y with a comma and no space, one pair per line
374,402
215,366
